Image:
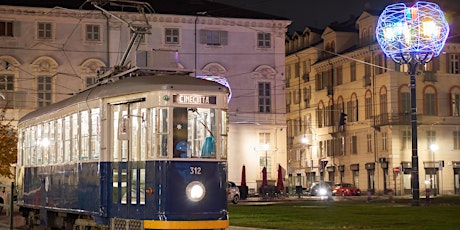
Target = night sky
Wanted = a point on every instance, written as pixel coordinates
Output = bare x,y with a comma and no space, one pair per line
320,13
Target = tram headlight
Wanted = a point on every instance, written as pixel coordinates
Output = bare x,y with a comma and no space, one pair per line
195,191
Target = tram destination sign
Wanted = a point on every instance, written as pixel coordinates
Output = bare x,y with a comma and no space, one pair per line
194,99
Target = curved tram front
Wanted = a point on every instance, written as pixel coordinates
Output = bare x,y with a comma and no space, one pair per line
146,152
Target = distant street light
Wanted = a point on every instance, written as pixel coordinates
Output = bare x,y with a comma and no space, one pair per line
412,35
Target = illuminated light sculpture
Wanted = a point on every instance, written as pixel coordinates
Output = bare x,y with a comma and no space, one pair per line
221,80
412,35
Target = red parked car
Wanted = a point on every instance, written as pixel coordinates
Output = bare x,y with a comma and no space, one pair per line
345,189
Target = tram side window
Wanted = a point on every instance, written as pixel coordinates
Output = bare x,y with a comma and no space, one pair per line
75,145
95,141
39,147
45,143
224,137
33,143
67,138
143,133
159,124
52,143
85,144
59,142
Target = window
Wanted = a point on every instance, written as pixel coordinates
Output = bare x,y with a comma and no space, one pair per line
384,141
339,75
264,40
353,71
455,104
368,106
369,142
264,97
7,82
430,104
405,102
44,30
352,110
454,64
90,81
171,35
213,37
430,138
383,108
44,90
265,160
354,145
93,32
406,139
6,29
456,140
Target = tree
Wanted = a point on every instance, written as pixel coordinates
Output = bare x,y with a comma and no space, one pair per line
8,145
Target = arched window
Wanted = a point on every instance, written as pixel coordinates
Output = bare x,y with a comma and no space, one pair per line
430,101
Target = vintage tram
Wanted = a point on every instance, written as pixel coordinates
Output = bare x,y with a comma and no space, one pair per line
142,152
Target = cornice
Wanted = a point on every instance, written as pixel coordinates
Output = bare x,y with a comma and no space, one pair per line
162,18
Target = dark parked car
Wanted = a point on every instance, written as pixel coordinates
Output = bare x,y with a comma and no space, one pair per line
319,189
345,189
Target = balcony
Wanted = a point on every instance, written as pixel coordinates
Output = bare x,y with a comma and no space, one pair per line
393,119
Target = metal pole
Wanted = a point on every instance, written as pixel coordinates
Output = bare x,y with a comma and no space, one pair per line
413,114
11,206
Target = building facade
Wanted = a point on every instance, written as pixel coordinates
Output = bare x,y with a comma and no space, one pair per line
348,112
49,51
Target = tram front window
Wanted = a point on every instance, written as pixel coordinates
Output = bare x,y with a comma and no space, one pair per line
193,133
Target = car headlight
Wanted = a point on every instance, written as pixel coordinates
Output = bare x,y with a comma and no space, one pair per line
195,191
322,191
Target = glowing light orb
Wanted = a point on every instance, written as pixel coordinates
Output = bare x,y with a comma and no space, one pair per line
407,32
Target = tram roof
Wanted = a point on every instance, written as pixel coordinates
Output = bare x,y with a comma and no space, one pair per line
132,85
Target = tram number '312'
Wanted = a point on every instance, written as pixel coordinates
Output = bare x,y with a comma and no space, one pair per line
195,170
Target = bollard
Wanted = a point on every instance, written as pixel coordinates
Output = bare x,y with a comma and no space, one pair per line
427,198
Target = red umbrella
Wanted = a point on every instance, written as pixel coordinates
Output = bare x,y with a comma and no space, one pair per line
264,177
279,182
243,176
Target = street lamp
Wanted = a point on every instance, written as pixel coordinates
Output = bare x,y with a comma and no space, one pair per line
412,35
434,148
266,147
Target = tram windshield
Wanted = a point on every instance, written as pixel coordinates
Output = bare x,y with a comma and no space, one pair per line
194,131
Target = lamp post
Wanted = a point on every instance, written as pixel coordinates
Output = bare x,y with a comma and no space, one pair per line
266,147
434,148
412,35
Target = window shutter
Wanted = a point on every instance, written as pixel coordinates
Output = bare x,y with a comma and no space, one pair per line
203,36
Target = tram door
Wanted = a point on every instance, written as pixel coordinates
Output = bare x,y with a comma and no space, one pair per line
129,138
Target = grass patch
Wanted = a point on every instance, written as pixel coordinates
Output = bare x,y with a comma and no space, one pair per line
442,213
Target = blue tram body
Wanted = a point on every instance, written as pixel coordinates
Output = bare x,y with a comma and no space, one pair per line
121,182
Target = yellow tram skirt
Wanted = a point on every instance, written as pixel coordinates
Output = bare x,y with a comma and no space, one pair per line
202,224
